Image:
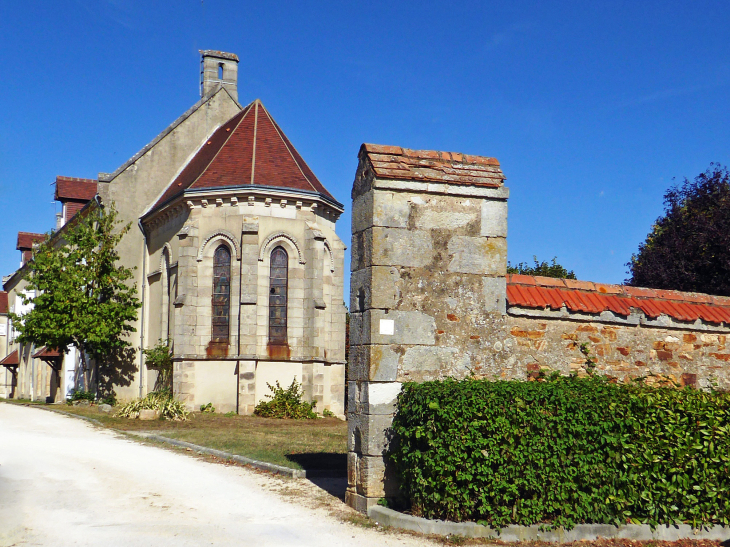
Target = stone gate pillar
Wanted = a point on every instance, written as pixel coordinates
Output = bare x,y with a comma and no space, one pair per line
429,257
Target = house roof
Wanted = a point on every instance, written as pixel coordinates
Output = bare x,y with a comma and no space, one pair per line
46,353
585,296
248,150
71,188
11,360
26,240
3,302
394,162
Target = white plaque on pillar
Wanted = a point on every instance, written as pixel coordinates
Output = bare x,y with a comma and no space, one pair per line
387,326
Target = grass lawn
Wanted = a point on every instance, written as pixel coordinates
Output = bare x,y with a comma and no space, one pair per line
314,445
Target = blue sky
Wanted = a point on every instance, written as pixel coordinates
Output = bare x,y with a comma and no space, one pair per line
592,108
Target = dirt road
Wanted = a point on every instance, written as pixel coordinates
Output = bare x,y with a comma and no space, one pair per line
65,482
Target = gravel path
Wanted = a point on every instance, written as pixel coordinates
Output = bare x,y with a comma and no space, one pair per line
66,482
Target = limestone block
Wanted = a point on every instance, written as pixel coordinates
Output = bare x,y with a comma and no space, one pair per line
494,218
430,219
386,209
495,294
391,247
373,397
399,247
373,363
359,502
396,327
352,461
367,433
478,255
375,478
424,363
149,414
374,287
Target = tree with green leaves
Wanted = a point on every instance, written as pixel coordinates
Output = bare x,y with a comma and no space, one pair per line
541,268
83,297
688,248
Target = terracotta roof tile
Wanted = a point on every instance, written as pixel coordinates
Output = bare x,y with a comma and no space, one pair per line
608,289
3,302
549,281
587,297
521,279
394,162
26,240
70,188
249,149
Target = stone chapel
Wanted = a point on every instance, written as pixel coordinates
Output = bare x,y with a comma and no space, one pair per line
237,261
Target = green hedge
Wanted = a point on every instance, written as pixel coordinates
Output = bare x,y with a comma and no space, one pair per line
564,451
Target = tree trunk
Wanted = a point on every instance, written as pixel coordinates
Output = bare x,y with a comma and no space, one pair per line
84,368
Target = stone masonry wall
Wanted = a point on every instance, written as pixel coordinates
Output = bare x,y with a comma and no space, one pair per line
418,249
684,354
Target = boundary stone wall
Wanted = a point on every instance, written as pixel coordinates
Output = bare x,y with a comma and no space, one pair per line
429,300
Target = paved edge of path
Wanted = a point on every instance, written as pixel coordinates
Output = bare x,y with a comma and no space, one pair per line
263,466
581,532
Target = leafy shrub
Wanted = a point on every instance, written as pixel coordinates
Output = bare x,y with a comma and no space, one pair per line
286,403
563,451
327,413
230,414
159,358
81,395
207,408
162,401
110,399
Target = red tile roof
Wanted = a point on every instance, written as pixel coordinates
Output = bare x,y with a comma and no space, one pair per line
70,188
394,162
45,353
26,240
585,296
11,360
249,149
3,302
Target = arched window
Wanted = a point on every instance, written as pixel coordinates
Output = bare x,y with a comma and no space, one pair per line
220,71
221,293
278,278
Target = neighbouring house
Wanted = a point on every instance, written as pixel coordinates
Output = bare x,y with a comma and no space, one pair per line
8,378
237,260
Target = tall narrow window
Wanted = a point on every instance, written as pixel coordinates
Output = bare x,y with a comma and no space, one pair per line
278,278
221,293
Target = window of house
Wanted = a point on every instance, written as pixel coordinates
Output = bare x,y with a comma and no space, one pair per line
221,293
278,279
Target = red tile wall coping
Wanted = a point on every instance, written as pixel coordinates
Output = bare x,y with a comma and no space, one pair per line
394,162
3,302
585,296
27,239
72,188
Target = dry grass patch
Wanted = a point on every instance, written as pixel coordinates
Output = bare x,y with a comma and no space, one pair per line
319,446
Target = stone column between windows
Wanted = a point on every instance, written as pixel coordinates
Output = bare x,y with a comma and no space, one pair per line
315,310
248,314
183,377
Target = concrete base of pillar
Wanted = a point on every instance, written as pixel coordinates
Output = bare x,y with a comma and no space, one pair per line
359,502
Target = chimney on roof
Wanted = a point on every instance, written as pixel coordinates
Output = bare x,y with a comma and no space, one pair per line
218,69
